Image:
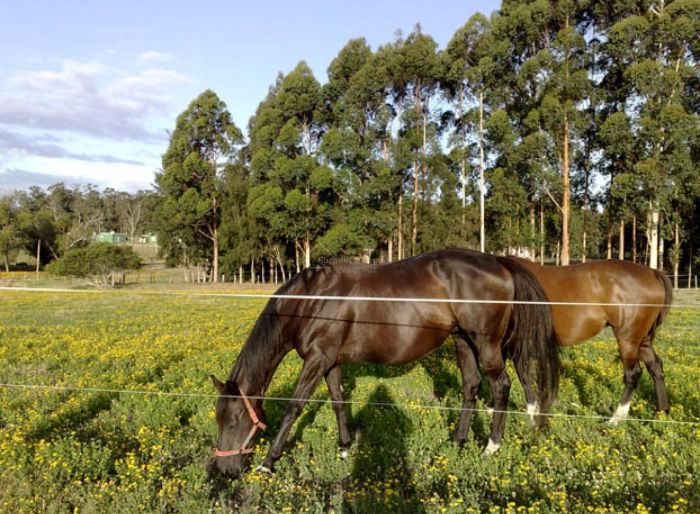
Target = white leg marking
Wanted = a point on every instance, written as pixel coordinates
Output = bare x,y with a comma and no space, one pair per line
489,410
533,409
491,448
620,413
263,469
343,454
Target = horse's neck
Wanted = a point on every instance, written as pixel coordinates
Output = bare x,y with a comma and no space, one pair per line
255,382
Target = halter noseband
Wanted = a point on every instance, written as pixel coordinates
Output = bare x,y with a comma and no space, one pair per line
257,424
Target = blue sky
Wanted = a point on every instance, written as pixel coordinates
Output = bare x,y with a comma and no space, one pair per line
89,89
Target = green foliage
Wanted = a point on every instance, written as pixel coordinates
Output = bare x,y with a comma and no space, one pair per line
97,262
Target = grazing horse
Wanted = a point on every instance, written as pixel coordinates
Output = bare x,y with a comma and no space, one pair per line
329,332
634,324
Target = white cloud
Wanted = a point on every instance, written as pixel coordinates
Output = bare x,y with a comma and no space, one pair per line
15,144
155,57
16,179
90,98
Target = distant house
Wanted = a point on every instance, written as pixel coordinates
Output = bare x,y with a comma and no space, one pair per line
148,239
110,237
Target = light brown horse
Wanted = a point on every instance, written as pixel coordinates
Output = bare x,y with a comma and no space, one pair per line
327,333
634,326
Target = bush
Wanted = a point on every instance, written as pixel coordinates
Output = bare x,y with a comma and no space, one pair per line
98,263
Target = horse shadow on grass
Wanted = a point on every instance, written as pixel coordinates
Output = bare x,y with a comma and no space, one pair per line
382,480
446,382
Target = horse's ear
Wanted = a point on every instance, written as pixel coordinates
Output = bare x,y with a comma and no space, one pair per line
232,388
218,384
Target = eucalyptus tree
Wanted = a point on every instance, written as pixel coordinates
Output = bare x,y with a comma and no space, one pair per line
654,46
190,182
415,72
10,235
288,177
469,62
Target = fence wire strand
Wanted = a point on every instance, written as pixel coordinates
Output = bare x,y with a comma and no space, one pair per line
341,298
344,402
350,298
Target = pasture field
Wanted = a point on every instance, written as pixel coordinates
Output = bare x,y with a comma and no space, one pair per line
71,451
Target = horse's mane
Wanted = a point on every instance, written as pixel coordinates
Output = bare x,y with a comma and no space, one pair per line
265,340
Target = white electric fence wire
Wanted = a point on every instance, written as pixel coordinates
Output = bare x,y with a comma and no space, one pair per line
345,402
341,298
350,298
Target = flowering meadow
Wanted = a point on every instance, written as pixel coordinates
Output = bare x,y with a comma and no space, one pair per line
106,451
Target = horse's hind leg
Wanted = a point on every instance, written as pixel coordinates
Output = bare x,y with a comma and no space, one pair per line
471,379
492,360
523,370
656,370
334,380
632,371
313,370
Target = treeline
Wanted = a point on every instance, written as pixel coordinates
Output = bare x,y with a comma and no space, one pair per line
49,223
559,130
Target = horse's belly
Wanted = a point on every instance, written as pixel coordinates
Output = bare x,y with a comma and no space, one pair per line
392,347
575,325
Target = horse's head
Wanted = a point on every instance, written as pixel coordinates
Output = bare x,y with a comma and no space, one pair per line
239,420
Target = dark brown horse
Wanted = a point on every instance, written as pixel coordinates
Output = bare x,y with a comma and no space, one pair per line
634,325
327,333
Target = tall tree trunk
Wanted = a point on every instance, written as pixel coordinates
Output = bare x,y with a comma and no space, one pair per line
482,225
533,235
252,270
608,253
621,252
565,197
215,256
653,236
390,248
661,243
541,231
586,207
240,274
307,250
463,162
634,238
38,257
414,210
262,268
676,253
399,229
7,263
296,254
279,261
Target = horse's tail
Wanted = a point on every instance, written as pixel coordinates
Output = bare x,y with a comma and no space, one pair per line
668,300
532,332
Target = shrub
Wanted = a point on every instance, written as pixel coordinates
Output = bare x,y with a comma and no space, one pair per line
98,263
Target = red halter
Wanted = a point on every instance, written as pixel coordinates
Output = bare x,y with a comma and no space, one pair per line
257,424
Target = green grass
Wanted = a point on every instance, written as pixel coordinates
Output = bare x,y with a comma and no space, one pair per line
66,451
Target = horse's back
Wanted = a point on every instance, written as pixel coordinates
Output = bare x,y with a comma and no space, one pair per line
401,326
595,285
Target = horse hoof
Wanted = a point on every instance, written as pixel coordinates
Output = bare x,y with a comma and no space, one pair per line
343,454
263,469
620,414
491,448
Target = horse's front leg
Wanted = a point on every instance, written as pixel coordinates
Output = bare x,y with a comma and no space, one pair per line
315,366
334,380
